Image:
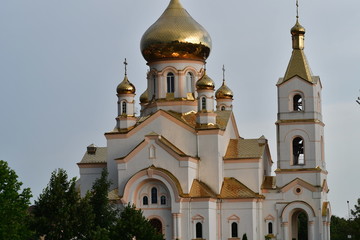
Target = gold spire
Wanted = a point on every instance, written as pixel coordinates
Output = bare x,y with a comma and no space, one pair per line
224,92
175,35
125,87
144,98
205,83
298,65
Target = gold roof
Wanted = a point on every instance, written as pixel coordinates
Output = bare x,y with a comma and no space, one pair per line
125,87
175,35
200,190
298,64
224,92
205,82
144,98
232,188
244,148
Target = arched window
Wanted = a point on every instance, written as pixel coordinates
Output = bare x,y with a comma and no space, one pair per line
163,200
203,103
298,151
234,230
298,103
123,107
154,195
189,82
270,228
198,229
170,82
145,200
222,108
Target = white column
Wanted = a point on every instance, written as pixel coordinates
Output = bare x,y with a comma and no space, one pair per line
177,226
285,226
311,227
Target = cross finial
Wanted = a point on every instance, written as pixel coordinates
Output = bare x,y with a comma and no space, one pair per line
297,9
125,64
223,69
204,57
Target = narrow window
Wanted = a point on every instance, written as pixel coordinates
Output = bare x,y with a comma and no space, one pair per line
163,200
222,108
189,82
198,230
154,86
154,195
234,230
145,200
270,228
170,83
203,103
123,106
298,151
298,103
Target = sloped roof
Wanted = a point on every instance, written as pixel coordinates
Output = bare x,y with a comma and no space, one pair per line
245,148
189,119
200,190
269,182
232,188
99,156
298,66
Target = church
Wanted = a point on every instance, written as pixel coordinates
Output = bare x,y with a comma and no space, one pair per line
183,162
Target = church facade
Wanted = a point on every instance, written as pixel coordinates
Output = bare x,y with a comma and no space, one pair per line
183,162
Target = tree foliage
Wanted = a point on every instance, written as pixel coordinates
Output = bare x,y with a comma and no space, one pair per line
14,205
105,212
342,228
132,224
60,213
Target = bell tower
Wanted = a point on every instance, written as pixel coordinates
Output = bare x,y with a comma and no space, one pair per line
300,130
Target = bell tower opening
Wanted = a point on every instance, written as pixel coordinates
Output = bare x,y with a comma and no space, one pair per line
299,230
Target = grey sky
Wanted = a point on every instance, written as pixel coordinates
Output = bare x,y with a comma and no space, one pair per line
60,63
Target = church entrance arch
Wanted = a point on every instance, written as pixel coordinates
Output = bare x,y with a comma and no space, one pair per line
156,223
298,221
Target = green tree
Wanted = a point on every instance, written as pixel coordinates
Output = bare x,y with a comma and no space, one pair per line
355,222
339,228
60,213
131,224
14,205
244,237
105,212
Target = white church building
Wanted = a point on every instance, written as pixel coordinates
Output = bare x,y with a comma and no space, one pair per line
183,161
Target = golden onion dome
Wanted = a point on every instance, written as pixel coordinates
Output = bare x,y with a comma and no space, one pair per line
205,83
224,92
297,29
125,87
175,35
144,98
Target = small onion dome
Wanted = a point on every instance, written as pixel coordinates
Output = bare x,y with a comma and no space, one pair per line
224,92
125,87
297,29
144,98
205,83
175,35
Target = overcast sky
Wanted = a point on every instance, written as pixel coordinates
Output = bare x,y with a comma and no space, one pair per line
60,63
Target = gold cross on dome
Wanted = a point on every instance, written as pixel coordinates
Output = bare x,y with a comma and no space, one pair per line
125,63
223,69
297,9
